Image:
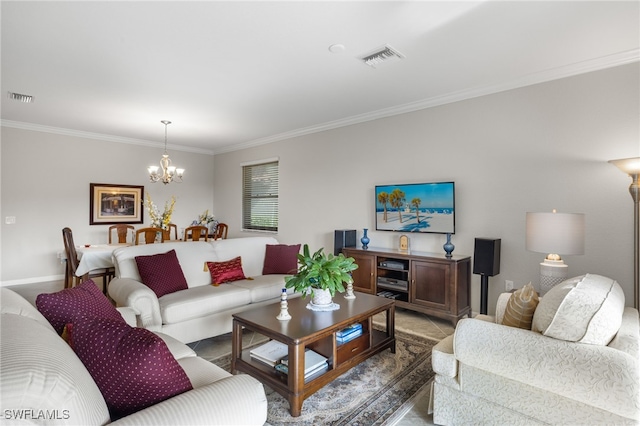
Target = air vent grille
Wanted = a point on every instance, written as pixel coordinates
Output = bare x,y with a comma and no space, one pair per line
20,97
382,55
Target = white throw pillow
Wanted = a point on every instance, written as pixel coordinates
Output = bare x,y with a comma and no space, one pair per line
586,309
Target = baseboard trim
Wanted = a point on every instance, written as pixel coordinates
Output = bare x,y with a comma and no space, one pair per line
33,280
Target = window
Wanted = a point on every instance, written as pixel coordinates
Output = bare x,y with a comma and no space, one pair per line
260,196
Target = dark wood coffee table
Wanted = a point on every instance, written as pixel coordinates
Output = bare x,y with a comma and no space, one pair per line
317,331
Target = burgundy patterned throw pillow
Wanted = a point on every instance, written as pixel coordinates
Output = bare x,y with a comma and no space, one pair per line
64,306
224,272
162,273
132,367
281,259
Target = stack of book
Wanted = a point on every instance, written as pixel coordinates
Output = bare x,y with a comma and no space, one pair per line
347,334
270,353
314,365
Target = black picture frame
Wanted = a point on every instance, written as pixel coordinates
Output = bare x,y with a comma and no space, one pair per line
111,204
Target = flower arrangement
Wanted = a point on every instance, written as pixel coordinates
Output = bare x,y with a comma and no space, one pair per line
205,218
208,220
160,220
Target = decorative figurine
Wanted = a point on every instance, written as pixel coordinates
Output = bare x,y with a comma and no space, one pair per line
350,294
404,243
284,312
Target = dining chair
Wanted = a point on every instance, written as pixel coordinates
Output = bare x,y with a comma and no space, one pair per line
70,278
221,231
149,234
122,231
173,227
196,232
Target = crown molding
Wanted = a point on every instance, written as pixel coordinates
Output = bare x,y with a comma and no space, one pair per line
610,61
99,136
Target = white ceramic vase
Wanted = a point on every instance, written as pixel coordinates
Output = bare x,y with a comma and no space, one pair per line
321,297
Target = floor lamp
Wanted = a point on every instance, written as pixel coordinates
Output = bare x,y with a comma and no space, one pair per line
555,234
631,166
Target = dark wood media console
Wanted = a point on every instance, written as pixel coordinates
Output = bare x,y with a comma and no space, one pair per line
424,282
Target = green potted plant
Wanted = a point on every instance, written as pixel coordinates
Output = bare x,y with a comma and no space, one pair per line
321,275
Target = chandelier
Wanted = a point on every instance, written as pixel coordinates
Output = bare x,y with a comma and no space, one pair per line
169,173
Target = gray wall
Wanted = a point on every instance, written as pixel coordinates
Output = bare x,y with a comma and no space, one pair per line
531,149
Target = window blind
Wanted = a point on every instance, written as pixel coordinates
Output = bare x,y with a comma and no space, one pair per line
260,196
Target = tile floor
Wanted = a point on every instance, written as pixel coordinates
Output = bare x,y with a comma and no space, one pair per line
217,346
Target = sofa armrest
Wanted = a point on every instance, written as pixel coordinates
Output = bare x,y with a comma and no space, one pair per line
628,337
596,375
129,315
235,400
137,296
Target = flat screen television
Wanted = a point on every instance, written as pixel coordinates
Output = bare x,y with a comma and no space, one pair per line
416,207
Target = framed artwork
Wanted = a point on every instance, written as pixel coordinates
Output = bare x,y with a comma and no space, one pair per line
112,204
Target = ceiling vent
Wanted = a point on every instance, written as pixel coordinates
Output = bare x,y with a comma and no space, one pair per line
19,97
381,56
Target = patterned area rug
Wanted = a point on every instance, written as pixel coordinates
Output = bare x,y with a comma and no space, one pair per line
368,394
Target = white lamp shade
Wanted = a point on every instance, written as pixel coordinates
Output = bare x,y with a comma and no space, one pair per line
558,233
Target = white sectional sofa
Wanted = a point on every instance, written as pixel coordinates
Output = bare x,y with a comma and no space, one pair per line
489,373
202,310
42,381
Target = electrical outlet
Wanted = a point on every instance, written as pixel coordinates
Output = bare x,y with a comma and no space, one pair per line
10,220
508,285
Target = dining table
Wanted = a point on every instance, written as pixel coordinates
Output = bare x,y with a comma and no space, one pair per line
95,256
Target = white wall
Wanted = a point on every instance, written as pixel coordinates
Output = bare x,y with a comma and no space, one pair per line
45,185
531,149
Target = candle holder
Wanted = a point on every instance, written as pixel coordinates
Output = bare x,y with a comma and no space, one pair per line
284,311
350,294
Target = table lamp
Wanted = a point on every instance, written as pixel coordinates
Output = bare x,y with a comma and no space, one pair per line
631,166
554,233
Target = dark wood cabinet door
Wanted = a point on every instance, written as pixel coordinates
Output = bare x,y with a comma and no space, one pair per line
363,277
430,284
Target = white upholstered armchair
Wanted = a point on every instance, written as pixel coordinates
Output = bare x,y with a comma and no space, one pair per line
490,373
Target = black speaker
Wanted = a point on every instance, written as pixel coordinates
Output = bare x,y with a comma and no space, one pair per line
486,256
343,238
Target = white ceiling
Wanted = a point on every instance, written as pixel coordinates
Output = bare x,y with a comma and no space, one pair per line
237,74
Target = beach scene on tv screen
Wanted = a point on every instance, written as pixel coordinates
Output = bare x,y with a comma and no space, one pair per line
428,207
